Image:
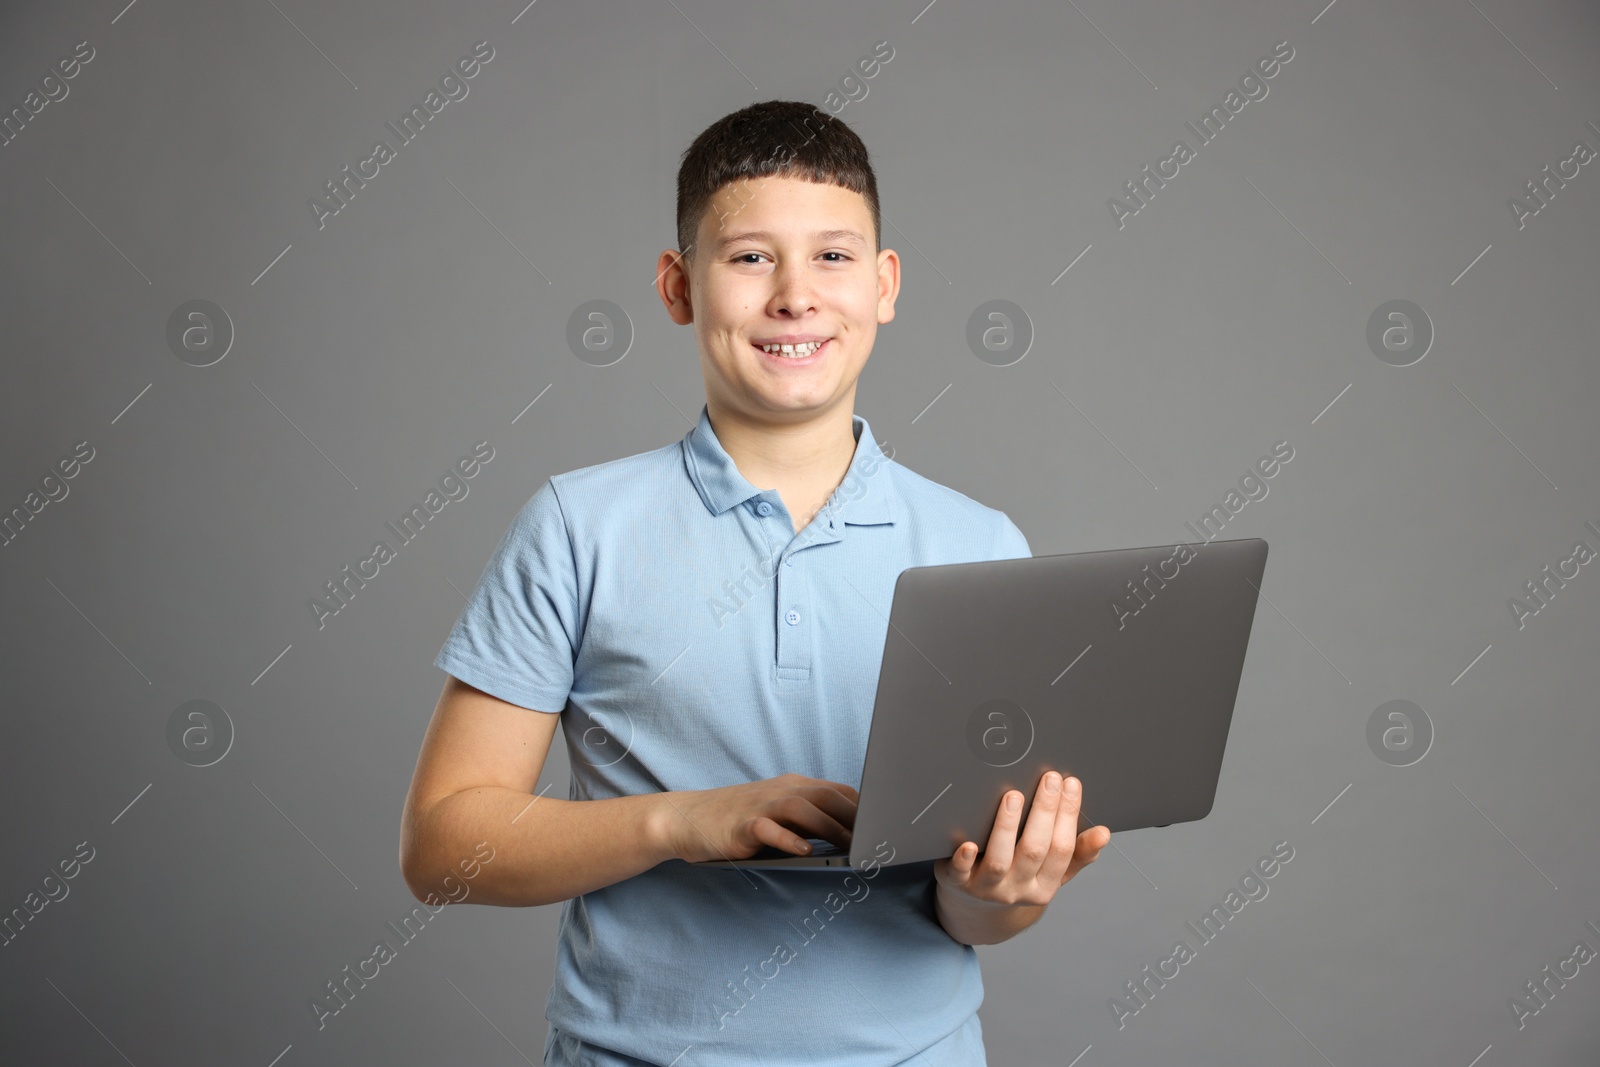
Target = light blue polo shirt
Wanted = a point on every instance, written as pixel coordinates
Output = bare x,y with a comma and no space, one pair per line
690,639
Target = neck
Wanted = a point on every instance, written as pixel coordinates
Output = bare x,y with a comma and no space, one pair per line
775,455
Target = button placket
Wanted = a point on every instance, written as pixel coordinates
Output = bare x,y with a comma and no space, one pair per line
794,600
792,605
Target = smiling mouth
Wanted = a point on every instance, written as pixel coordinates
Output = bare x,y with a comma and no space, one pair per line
796,352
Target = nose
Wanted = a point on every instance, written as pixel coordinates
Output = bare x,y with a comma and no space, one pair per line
792,290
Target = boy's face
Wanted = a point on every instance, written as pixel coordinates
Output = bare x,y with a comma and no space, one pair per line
767,269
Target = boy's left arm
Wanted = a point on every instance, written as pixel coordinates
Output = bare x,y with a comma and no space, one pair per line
993,901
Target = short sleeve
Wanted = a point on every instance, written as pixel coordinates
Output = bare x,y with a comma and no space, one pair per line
518,636
1012,545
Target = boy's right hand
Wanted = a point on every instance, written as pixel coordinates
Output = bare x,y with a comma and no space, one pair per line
735,822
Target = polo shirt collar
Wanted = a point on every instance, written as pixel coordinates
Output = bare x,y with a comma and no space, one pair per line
866,496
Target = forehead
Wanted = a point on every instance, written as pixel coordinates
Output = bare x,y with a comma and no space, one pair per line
778,207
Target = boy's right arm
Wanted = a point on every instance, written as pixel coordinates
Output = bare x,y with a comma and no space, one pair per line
474,781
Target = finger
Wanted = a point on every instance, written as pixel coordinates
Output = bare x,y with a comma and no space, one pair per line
962,861
1086,852
1003,837
847,790
827,796
797,813
1040,831
769,832
1064,840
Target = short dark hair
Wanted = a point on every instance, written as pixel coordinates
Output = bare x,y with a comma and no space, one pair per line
788,138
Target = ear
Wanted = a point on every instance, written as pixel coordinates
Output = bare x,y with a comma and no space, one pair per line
673,285
888,284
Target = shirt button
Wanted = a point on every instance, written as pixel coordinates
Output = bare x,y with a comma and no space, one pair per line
763,508
792,617
789,562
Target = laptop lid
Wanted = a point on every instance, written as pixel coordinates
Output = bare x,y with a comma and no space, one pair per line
1119,666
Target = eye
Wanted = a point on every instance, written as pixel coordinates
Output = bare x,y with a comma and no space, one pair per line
746,257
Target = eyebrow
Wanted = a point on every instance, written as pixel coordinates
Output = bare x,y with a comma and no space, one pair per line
848,236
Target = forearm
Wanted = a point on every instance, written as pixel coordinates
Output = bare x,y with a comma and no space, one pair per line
545,850
977,922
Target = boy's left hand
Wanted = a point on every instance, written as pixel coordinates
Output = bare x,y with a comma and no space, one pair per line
1027,870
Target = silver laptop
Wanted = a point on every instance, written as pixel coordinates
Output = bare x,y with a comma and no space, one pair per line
1120,667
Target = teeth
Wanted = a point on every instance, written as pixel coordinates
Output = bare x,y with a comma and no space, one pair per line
793,351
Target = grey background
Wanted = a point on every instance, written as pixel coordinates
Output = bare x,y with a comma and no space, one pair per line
1226,316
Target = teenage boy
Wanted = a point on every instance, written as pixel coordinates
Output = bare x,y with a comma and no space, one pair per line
706,622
